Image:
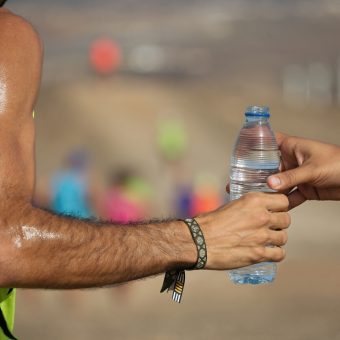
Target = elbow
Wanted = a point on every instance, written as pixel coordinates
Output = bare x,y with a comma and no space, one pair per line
14,270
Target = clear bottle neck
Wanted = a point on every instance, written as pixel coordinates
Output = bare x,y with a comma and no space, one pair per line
258,114
260,120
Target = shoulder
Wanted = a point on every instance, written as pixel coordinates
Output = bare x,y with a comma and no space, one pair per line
15,30
21,54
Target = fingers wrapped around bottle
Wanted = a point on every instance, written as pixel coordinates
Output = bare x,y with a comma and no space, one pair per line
249,230
272,221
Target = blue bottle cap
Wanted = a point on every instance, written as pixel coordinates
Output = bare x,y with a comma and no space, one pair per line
257,111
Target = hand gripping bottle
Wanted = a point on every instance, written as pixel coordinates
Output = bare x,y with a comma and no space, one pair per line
255,157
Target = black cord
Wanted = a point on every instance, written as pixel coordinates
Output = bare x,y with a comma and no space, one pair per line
2,2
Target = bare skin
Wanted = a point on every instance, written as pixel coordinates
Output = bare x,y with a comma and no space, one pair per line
42,250
312,167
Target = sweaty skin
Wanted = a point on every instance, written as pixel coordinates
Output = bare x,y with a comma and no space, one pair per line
41,250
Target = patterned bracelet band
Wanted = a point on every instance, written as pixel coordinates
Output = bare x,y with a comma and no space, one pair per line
199,240
175,280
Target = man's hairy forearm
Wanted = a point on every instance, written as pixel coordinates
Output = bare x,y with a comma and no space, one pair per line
40,249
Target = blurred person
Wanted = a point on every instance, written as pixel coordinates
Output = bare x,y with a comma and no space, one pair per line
171,137
127,198
172,144
206,195
39,249
309,167
184,196
70,187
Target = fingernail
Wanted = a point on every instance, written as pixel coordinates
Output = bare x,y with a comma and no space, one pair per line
274,181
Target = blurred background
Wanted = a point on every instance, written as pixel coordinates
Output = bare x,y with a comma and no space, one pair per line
140,103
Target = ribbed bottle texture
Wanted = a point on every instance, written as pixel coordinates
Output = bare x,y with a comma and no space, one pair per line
255,157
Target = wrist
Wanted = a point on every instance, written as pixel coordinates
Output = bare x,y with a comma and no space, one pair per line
183,246
192,255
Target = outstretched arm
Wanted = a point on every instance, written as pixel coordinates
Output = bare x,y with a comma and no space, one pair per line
312,167
40,249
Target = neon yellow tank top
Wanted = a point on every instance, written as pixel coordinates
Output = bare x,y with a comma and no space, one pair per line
7,312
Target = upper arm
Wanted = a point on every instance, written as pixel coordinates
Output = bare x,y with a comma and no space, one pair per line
20,71
20,65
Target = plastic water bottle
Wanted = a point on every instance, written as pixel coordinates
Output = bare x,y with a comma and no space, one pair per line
255,157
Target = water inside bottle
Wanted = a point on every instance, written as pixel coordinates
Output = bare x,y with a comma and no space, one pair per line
255,157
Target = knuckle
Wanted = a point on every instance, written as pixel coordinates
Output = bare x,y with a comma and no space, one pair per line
253,197
280,254
282,200
283,220
284,238
285,201
265,237
258,254
288,219
263,217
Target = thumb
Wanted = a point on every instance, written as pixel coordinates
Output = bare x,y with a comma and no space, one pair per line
290,178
